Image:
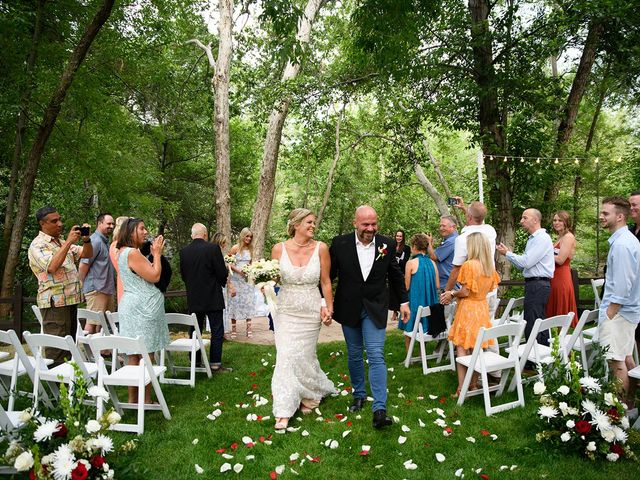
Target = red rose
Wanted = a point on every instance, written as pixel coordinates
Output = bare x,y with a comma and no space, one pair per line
61,432
583,427
615,448
613,413
97,461
80,472
32,474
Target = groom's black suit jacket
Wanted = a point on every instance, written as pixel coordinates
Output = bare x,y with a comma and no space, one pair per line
204,273
353,292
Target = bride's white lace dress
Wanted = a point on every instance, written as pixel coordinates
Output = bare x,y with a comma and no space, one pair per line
298,376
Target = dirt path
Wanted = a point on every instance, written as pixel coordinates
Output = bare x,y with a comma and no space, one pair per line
263,336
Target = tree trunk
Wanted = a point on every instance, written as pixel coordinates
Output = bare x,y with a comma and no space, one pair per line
44,131
266,187
332,171
221,82
21,127
443,181
491,133
430,189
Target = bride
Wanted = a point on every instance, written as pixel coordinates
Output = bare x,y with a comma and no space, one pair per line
298,381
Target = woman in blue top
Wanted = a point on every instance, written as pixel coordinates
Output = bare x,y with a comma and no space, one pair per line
141,309
421,280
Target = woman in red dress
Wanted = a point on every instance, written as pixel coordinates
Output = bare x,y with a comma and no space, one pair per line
562,299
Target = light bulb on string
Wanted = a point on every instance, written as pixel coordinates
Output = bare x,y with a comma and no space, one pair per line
538,160
576,161
556,161
619,159
491,157
597,160
505,159
521,159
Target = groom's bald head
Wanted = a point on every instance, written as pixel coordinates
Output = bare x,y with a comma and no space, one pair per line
366,223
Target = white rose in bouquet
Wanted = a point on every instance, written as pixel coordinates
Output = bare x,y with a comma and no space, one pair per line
24,462
93,426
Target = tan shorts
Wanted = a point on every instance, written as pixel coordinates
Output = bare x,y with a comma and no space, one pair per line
99,302
618,333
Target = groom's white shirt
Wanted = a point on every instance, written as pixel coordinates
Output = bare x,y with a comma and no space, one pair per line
366,255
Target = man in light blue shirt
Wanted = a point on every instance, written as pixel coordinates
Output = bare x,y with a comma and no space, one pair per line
620,306
443,255
537,265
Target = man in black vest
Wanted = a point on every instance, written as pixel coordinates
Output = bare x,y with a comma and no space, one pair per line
204,273
363,262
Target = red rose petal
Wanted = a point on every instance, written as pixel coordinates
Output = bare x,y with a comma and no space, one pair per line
249,445
234,446
254,386
253,374
262,439
259,418
221,450
442,400
484,476
448,430
485,432
315,459
339,416
349,423
327,420
364,453
273,475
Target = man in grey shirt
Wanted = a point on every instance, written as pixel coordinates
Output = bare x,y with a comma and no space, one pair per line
537,264
97,273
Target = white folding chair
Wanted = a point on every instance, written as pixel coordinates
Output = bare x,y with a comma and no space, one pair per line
534,352
485,362
635,373
578,341
9,420
596,284
140,376
21,364
82,335
189,345
63,373
114,321
442,341
513,313
38,314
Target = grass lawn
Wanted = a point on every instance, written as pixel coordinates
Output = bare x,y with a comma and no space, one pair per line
168,448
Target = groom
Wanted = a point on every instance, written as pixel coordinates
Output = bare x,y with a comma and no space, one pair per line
364,262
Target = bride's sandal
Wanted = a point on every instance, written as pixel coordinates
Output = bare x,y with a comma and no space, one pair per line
233,334
249,331
305,410
281,423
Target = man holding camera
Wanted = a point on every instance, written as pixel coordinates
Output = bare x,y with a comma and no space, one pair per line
53,261
97,274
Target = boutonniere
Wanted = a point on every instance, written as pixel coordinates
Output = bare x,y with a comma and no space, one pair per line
382,251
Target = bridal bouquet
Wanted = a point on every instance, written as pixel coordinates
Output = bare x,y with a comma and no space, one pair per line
230,259
581,413
263,272
66,443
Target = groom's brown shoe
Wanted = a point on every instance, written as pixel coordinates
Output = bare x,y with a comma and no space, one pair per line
380,419
357,404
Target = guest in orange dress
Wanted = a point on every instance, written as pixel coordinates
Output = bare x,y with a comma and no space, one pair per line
562,299
478,277
113,255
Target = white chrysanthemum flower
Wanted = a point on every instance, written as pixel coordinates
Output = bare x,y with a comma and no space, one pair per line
539,388
104,443
609,399
620,434
601,420
95,391
565,437
45,431
590,384
563,390
92,426
591,446
570,424
612,457
589,406
547,412
24,461
63,462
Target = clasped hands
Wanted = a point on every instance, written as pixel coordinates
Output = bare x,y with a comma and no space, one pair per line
326,315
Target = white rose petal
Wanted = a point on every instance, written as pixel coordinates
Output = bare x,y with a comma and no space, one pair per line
404,428
395,419
433,397
250,457
459,472
421,423
194,441
294,456
345,433
238,467
246,440
494,437
440,457
366,448
227,456
333,445
457,422
401,439
305,433
471,439
225,467
199,469
279,469
503,467
409,465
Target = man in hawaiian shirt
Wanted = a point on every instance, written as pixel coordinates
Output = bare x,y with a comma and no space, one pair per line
53,261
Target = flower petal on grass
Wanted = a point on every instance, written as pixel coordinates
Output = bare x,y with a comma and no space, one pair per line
194,441
440,457
471,439
280,469
401,439
199,469
227,456
459,472
225,467
294,456
404,428
433,397
494,437
250,457
457,422
238,467
409,465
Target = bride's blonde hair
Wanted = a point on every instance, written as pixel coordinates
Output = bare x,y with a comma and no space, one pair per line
295,218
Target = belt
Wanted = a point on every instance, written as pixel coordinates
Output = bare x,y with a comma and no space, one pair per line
535,279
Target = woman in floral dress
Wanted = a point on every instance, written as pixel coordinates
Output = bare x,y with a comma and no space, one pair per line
243,305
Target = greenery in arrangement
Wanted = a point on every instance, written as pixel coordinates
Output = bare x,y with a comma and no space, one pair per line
66,442
581,413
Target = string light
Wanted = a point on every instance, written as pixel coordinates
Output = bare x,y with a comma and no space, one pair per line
597,160
521,159
576,161
538,160
556,161
491,157
505,159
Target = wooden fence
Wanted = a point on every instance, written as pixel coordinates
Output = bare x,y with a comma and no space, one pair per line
19,323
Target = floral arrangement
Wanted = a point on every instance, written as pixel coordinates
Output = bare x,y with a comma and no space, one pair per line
66,443
262,272
581,413
382,251
230,259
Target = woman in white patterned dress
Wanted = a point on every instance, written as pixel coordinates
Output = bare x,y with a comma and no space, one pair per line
243,305
298,381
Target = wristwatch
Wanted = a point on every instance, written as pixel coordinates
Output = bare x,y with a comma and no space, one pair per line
453,293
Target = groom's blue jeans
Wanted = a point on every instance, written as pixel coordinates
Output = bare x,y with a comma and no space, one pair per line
367,337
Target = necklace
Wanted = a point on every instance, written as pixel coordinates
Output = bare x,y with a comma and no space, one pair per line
301,244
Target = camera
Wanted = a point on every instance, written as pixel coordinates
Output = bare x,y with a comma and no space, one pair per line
452,201
84,231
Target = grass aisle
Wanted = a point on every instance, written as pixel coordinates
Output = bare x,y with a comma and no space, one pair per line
168,449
